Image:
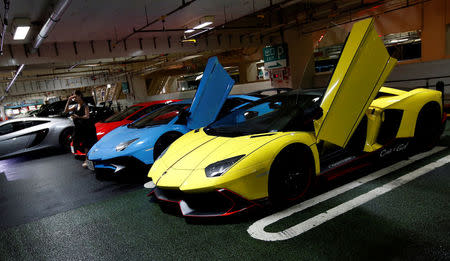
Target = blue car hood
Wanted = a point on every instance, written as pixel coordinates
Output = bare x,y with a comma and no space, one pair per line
118,135
106,147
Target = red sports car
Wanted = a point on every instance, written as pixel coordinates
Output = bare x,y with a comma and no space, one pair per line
124,117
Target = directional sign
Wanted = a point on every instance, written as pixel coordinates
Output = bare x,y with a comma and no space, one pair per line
275,56
125,88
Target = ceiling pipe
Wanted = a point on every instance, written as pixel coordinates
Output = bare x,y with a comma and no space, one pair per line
14,78
5,25
161,18
54,18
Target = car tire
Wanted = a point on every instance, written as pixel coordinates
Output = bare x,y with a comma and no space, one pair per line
292,175
163,142
65,138
428,127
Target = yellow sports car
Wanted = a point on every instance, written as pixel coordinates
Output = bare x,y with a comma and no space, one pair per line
272,150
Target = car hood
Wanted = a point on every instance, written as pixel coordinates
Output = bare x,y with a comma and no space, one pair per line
106,147
105,128
197,150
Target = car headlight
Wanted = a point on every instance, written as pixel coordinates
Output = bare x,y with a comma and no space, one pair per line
125,144
219,168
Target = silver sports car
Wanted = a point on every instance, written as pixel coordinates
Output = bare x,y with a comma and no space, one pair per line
29,134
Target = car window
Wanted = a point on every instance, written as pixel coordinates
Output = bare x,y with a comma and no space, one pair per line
230,104
282,112
123,114
6,129
159,117
146,111
17,126
35,123
20,125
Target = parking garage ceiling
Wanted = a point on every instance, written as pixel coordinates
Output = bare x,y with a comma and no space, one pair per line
114,19
99,37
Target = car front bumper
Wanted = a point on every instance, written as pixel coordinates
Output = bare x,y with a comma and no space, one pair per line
218,203
121,164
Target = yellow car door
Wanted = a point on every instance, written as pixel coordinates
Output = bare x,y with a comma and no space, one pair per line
362,68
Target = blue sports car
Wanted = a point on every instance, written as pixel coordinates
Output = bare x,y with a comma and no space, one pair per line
137,145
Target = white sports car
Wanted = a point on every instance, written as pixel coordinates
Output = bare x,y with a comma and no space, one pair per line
29,134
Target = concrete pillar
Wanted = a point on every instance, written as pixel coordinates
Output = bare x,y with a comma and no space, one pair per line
248,72
139,88
2,113
434,30
301,58
171,85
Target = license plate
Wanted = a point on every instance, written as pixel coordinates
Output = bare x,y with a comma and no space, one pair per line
90,165
72,149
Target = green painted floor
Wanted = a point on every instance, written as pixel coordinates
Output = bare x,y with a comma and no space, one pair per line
411,222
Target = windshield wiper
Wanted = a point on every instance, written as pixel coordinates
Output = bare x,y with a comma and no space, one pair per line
228,133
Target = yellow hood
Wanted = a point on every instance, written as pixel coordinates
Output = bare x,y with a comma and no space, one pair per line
193,152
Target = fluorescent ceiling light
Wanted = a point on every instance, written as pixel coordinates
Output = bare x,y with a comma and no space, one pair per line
21,32
189,31
200,26
399,40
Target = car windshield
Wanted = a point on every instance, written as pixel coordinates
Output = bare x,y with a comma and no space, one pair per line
123,114
51,109
283,112
159,117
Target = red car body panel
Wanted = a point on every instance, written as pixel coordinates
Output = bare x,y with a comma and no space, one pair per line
103,128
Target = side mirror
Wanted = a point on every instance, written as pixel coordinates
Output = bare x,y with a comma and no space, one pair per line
317,113
183,116
250,114
274,105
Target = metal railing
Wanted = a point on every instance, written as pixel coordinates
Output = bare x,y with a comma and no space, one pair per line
425,82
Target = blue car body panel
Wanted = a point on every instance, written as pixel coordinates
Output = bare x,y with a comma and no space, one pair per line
142,148
211,94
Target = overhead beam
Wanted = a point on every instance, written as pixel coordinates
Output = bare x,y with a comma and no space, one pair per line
104,49
28,87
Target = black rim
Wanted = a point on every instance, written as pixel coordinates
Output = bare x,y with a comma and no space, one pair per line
295,181
66,139
291,177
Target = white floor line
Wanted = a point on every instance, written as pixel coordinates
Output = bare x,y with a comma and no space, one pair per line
256,230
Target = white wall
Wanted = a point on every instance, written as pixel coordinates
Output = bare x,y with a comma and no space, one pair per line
237,89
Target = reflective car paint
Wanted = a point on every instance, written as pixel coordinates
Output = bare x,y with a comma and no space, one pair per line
213,91
209,97
181,172
105,127
354,83
142,148
37,133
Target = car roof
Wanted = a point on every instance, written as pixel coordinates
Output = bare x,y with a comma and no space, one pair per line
33,119
242,96
149,103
